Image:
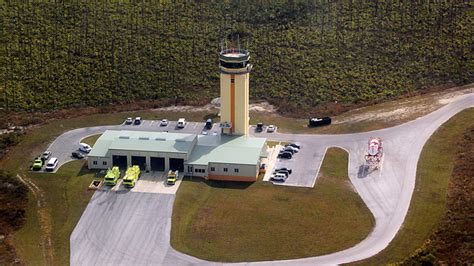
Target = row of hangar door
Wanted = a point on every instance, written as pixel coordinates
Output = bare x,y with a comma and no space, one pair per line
156,163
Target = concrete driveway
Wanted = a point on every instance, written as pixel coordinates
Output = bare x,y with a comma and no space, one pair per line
134,228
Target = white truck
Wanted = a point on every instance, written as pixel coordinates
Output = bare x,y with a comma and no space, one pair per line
181,123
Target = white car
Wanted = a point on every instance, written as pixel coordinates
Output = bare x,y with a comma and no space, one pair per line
204,133
52,163
291,148
278,177
164,122
271,128
128,121
85,147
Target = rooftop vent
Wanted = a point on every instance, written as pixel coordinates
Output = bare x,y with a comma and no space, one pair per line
124,137
161,139
144,138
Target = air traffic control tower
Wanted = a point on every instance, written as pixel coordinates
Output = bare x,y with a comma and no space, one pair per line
235,68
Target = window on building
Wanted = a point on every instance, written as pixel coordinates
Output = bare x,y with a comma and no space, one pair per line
236,170
225,169
94,162
213,169
104,163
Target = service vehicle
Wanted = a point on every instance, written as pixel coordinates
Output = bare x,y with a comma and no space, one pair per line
315,122
271,128
112,176
45,156
85,147
172,177
131,176
278,177
77,155
208,124
137,121
285,155
284,169
37,164
259,127
181,123
374,154
128,121
52,163
164,122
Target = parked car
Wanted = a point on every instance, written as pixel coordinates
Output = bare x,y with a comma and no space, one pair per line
259,127
291,148
271,128
128,121
52,163
205,133
45,156
37,163
288,150
294,145
284,169
164,122
278,177
77,155
286,173
315,122
208,124
85,147
285,155
137,121
181,123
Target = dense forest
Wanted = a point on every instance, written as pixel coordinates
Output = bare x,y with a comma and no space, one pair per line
305,53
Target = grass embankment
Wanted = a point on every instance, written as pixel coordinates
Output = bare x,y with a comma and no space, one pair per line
91,139
59,189
226,221
428,202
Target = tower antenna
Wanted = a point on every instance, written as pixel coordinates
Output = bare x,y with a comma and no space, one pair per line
238,43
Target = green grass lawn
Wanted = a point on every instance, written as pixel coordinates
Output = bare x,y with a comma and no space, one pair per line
66,197
226,221
429,198
91,139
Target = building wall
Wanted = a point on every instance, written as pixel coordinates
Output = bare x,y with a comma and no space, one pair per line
235,102
249,172
99,162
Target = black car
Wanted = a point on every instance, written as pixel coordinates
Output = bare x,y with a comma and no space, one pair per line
137,121
284,169
208,124
294,145
259,127
285,155
315,122
77,155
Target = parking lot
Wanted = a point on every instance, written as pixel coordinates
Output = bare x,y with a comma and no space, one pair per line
304,165
155,125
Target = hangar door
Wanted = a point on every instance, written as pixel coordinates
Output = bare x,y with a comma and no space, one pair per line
157,164
140,161
120,161
176,164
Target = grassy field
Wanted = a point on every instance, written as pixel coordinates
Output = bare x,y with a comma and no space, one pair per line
91,140
225,221
429,199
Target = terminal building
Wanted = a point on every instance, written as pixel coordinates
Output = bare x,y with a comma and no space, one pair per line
232,155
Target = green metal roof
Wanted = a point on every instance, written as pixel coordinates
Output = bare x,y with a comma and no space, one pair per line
142,141
227,149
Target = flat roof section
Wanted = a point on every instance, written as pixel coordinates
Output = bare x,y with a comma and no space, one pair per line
227,149
142,141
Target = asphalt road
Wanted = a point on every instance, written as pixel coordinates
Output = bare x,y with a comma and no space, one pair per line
134,228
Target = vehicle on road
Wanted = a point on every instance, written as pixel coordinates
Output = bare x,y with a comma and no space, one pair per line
316,122
85,147
52,164
259,127
37,164
278,177
294,145
128,121
112,176
271,128
374,154
208,124
77,155
172,177
137,121
164,122
285,155
131,176
45,156
181,123
284,169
